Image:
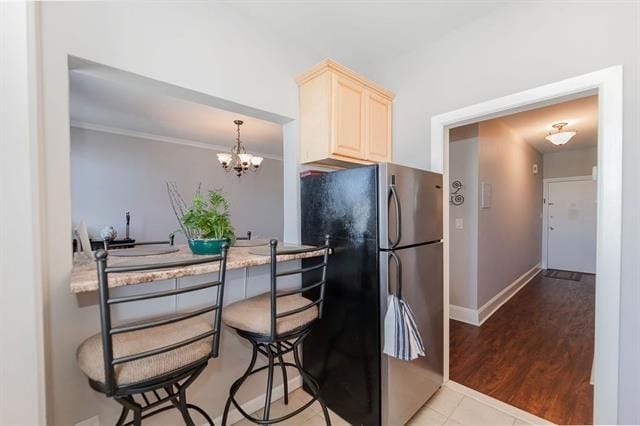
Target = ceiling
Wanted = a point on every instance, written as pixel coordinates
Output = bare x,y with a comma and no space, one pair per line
580,114
358,33
102,103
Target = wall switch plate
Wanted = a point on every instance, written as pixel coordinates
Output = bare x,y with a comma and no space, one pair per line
485,198
459,223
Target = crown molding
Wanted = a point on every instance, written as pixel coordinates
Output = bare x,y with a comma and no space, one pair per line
331,65
168,139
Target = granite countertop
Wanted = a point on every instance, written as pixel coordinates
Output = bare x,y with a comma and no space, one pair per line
84,276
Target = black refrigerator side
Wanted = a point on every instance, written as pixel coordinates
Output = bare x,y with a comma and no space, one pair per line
343,350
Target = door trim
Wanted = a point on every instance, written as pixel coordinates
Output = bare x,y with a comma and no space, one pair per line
607,83
545,210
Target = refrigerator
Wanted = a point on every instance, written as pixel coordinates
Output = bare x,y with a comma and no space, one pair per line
385,223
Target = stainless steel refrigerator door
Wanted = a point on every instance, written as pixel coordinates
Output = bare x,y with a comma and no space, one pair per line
417,196
407,385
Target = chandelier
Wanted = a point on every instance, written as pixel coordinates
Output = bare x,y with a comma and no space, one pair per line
238,160
561,136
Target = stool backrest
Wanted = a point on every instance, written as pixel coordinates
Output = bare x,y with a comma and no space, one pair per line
107,302
248,237
169,242
275,294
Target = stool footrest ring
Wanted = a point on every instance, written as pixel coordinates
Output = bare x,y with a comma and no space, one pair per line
275,360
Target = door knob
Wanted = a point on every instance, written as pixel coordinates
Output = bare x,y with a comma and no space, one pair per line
551,227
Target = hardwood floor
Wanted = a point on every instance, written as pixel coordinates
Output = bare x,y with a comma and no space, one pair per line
535,352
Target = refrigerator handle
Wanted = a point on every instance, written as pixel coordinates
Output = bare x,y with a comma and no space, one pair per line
396,259
393,194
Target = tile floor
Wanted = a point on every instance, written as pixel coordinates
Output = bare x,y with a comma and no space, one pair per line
312,416
448,407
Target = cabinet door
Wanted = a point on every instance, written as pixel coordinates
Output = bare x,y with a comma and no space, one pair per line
348,118
378,128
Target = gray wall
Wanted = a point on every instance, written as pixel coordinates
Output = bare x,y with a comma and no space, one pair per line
497,244
578,162
463,263
112,174
510,231
521,46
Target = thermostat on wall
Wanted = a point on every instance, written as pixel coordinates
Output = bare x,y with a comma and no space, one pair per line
535,169
485,197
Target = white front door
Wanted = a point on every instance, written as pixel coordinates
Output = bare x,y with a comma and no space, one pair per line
571,233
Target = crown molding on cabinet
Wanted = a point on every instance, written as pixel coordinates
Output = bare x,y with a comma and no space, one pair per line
329,64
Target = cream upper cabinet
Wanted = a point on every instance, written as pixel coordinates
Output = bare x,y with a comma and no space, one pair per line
378,113
348,107
345,119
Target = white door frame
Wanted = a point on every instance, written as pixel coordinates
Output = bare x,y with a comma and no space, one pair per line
545,210
607,83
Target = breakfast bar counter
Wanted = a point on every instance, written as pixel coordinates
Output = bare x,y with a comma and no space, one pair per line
84,277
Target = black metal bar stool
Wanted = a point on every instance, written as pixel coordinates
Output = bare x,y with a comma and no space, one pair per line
276,323
148,366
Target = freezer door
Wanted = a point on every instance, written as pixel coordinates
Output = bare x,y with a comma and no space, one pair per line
409,205
343,204
407,385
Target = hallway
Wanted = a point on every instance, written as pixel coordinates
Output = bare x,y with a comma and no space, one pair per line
535,352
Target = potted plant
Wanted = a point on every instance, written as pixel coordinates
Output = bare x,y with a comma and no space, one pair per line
206,222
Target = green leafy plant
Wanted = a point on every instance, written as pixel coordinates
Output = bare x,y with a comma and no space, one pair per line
207,217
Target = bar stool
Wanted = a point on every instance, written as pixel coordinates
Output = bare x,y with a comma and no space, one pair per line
136,362
276,323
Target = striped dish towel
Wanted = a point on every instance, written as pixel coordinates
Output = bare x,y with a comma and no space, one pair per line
401,336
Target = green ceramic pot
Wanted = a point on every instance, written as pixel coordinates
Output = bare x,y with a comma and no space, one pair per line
206,245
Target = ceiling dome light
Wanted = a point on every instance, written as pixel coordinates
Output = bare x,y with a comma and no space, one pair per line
561,136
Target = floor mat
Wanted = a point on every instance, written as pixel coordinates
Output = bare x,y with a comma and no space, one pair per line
563,275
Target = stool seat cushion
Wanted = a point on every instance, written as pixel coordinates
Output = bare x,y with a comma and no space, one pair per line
254,314
91,361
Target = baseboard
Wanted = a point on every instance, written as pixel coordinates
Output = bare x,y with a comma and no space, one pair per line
257,403
460,313
479,316
503,297
516,412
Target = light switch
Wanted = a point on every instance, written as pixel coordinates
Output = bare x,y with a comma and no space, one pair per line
459,223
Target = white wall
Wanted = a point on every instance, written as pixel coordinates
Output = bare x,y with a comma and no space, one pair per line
463,275
578,162
112,174
185,44
518,47
22,397
510,231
